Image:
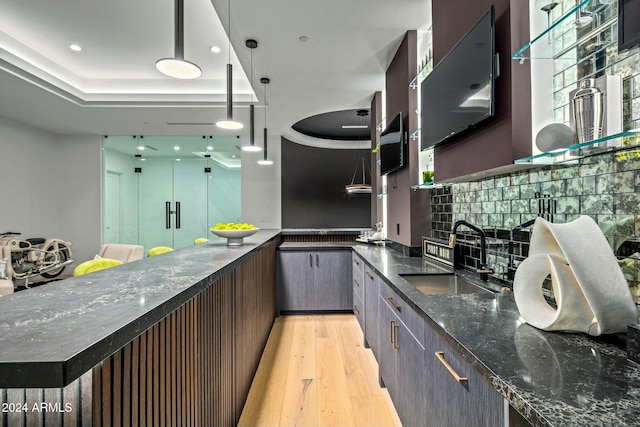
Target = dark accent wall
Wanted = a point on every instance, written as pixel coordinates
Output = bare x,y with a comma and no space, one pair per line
507,136
313,193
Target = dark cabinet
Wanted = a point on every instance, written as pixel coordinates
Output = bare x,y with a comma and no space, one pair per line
314,280
456,394
402,357
357,284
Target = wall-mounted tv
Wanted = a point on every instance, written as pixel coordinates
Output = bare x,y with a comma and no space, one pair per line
458,95
392,146
628,24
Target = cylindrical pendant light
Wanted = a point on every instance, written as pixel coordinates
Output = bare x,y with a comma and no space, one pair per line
251,44
177,67
229,123
265,161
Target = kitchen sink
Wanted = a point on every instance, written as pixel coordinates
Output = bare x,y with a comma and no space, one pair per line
443,284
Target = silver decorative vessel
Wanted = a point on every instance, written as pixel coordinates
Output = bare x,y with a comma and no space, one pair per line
588,111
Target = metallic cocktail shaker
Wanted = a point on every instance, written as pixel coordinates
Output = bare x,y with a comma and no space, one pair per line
588,111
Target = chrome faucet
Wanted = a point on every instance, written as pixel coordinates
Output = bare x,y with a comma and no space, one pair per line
483,270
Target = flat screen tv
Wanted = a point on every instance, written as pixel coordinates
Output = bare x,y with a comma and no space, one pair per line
628,24
392,146
458,95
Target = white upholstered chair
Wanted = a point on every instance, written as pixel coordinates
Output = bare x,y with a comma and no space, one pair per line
122,252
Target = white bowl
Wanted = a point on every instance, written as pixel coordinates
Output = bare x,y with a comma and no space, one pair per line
234,237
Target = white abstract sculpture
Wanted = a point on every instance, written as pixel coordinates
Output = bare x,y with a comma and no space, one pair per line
591,293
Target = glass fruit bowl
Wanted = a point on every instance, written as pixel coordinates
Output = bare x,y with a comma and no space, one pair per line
234,237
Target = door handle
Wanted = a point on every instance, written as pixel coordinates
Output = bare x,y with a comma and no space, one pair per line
369,275
311,260
177,215
167,215
454,374
393,303
317,261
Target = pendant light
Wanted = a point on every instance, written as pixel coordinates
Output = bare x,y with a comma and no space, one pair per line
358,188
251,44
177,67
265,161
229,123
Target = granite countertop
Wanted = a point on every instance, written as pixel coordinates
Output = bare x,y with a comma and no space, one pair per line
52,334
552,378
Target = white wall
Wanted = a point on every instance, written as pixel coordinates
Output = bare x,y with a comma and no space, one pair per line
50,186
261,193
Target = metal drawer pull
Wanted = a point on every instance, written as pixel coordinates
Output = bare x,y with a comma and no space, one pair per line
355,308
368,274
454,374
317,262
310,260
393,303
356,282
356,262
391,332
395,337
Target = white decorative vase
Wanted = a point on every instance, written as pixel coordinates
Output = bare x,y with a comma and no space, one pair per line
591,293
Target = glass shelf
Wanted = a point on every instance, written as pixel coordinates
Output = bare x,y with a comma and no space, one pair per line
627,140
415,134
567,19
428,186
422,74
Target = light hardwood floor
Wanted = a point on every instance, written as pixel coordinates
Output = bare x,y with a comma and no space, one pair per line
315,371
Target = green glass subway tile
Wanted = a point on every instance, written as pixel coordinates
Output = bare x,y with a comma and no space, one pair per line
558,81
559,219
635,108
574,186
488,184
534,207
511,220
484,196
624,182
588,185
463,186
568,205
488,207
502,181
495,195
571,217
597,204
484,220
540,175
511,192
554,188
599,167
627,203
520,206
458,198
476,207
636,85
474,196
503,207
605,183
520,178
628,66
616,225
495,220
529,191
464,208
475,218
475,186
563,172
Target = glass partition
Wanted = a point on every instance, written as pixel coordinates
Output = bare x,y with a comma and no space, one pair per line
168,191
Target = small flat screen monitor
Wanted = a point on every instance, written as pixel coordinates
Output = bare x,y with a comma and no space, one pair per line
392,146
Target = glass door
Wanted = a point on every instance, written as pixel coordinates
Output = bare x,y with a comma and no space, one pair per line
168,191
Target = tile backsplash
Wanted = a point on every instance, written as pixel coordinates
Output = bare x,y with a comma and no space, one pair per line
605,187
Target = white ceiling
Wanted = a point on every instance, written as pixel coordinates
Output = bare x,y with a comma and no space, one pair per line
113,88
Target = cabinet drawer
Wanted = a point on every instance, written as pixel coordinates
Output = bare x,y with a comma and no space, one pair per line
413,321
452,379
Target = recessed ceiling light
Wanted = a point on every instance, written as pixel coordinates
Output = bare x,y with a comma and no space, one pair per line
215,49
176,148
209,148
140,147
75,47
177,160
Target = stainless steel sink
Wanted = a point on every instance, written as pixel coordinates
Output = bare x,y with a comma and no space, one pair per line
443,284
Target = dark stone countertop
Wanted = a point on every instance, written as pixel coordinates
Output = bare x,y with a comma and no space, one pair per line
552,378
320,231
52,334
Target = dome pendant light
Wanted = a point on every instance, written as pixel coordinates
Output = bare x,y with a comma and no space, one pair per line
251,44
229,123
265,161
177,67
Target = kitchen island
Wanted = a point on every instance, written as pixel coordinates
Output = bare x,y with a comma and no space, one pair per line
149,342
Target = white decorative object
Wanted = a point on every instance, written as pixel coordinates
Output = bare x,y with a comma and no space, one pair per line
235,237
591,293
